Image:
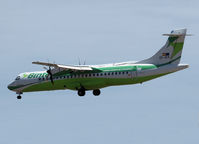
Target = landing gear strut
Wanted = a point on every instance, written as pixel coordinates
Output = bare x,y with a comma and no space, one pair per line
19,96
96,92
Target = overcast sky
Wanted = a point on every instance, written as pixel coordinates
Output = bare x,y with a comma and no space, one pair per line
164,110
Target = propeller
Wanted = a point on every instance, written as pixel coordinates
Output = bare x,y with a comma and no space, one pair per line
50,73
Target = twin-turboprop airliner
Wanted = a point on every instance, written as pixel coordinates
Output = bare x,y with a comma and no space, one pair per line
82,78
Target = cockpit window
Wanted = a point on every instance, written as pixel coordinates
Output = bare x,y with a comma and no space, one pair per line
18,78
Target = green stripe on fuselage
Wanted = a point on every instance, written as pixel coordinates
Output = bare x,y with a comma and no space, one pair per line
107,69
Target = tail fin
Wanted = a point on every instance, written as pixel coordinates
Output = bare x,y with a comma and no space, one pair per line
171,52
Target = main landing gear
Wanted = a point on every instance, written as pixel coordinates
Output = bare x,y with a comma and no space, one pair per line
82,92
19,96
96,92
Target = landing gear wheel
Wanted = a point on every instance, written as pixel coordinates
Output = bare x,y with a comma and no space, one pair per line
96,92
19,97
81,92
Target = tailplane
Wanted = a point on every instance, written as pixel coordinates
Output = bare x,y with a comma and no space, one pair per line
171,52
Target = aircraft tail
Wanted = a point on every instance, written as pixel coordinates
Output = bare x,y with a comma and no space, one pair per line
171,52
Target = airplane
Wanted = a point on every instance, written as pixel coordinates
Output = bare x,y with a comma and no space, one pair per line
82,78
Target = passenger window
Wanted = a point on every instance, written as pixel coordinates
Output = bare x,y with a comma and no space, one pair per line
101,74
119,73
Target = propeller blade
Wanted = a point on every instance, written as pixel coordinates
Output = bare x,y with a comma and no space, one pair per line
51,79
51,76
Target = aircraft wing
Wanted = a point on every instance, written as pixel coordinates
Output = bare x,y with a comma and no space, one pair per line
66,67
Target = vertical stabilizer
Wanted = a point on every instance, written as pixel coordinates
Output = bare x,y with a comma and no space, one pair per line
171,52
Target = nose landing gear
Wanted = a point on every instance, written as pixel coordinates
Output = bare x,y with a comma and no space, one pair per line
19,96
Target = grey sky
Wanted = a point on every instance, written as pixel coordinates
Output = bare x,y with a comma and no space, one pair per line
163,111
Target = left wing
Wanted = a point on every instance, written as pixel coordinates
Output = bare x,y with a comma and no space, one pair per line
65,67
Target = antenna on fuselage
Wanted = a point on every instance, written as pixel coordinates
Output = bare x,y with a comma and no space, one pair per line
84,61
79,61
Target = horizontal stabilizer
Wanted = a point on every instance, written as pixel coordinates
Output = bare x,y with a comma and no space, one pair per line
174,35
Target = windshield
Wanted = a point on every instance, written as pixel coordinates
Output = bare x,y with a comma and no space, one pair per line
17,78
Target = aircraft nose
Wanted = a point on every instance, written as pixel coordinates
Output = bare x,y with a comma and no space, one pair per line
10,86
